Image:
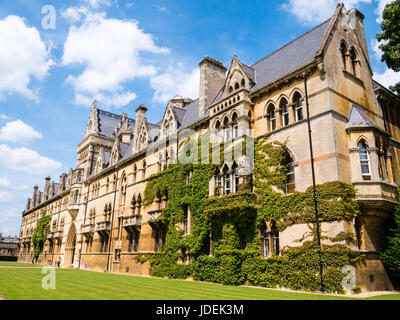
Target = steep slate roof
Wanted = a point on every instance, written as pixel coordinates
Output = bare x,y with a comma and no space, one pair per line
191,115
108,121
292,56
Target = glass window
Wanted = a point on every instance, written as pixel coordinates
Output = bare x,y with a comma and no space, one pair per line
290,180
364,158
227,183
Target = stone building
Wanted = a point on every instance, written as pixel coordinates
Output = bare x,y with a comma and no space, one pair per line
98,220
8,246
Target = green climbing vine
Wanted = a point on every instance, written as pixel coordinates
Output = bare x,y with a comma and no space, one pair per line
40,233
229,226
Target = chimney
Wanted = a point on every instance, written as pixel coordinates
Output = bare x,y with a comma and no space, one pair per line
357,24
34,197
212,78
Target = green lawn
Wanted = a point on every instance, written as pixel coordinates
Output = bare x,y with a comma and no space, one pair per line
26,284
17,264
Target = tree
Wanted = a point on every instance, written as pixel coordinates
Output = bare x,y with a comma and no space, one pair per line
390,37
40,234
391,256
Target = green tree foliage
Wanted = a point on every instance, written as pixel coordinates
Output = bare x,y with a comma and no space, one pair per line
391,256
390,37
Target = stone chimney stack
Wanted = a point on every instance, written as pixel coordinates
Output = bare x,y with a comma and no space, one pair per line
34,197
357,24
212,78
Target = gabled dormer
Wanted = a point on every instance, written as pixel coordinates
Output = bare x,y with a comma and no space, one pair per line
115,152
100,162
169,123
239,76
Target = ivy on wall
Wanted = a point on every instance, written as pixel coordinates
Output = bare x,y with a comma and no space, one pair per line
40,233
234,223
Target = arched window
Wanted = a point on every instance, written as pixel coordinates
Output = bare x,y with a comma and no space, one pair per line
219,184
107,184
166,158
290,178
266,235
227,133
230,89
243,83
275,234
236,86
271,117
123,190
235,126
159,162
76,196
235,179
364,159
353,58
218,128
134,173
227,184
285,112
144,168
343,52
133,205
139,205
298,106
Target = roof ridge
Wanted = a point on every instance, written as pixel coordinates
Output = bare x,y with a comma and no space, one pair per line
291,42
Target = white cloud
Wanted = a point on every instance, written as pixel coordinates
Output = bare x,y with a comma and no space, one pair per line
27,160
381,6
109,49
3,116
23,56
114,100
175,81
97,3
387,78
5,197
4,182
18,131
312,12
74,14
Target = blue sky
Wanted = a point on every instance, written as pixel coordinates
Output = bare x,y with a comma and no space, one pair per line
124,53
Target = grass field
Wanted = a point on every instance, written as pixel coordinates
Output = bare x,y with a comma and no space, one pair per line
26,284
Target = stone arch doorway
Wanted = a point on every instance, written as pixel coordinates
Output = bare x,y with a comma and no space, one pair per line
70,247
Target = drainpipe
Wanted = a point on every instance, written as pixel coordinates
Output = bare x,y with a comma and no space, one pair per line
314,187
84,221
112,223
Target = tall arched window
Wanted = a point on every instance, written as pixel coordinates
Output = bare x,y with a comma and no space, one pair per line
343,52
227,184
243,83
285,112
134,173
218,128
144,169
236,86
133,205
159,162
271,117
353,59
227,133
275,234
364,159
298,106
235,126
290,178
123,190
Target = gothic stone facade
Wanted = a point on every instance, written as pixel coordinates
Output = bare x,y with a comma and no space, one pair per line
97,218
